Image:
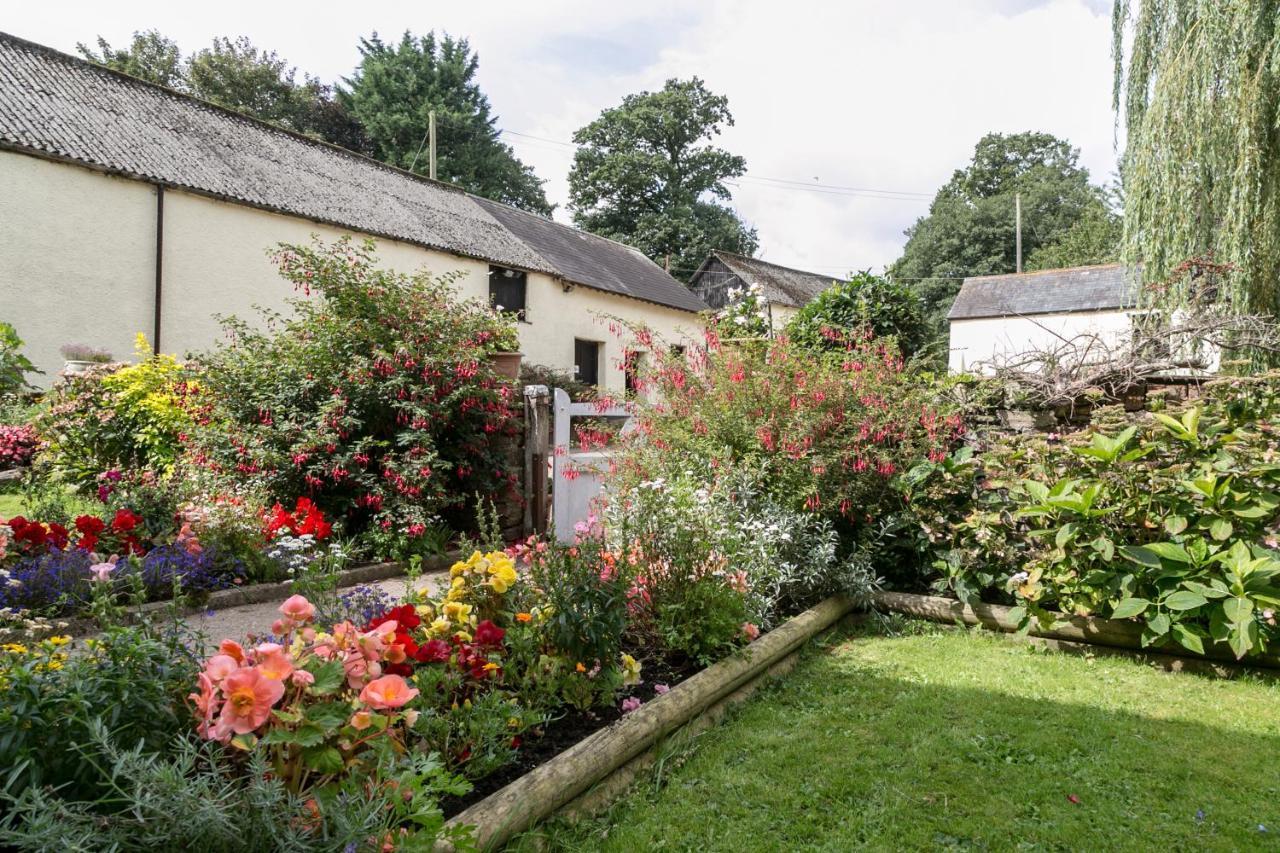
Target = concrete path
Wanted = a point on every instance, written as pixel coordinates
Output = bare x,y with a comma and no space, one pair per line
237,622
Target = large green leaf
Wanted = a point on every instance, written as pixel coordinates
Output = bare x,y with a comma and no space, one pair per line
1187,638
1185,599
1140,554
1130,607
1221,529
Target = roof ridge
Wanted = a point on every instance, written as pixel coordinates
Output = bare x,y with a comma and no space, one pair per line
1027,273
751,260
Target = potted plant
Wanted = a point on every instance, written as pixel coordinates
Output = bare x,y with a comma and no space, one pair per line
79,358
505,355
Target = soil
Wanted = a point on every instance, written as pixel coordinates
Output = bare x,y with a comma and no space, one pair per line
543,743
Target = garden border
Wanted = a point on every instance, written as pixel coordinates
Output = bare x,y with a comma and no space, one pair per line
1089,630
573,777
259,593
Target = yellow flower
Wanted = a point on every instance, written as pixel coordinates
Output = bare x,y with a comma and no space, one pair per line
60,640
15,648
490,666
456,611
630,670
463,637
440,627
502,577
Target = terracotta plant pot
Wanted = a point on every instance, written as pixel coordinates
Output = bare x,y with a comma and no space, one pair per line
506,364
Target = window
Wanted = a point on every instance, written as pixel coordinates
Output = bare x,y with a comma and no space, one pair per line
586,361
507,290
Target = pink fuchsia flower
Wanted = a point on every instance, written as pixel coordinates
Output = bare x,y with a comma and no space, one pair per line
387,693
660,689
630,704
750,631
250,696
298,610
273,662
102,571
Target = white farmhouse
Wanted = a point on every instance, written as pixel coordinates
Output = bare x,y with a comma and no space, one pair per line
996,317
126,207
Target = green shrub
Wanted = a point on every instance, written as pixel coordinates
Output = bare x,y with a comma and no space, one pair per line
374,398
866,304
14,366
116,417
1173,521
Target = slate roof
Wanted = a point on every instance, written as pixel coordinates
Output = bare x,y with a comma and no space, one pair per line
584,257
781,285
61,107
1093,288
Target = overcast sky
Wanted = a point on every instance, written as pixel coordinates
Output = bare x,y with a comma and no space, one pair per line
887,96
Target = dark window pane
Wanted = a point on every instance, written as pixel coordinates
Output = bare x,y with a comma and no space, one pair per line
507,290
586,361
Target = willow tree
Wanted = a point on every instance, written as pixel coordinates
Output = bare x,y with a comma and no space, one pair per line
1197,85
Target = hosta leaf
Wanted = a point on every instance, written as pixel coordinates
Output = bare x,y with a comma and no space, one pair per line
1130,607
1185,599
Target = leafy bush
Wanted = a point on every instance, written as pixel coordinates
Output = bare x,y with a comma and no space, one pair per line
865,304
374,398
745,314
821,435
130,417
1174,521
14,366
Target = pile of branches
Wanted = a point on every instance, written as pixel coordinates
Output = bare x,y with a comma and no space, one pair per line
1161,345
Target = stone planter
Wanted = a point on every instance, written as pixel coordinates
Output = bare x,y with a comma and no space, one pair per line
73,367
1027,420
507,364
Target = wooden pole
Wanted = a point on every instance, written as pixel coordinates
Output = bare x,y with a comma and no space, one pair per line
431,151
1018,224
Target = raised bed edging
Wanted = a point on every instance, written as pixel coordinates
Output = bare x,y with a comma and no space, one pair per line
258,593
560,781
1114,633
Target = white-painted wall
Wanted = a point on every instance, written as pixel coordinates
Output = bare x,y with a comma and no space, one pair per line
983,339
77,264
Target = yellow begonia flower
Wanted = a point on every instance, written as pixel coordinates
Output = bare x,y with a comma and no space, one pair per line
456,611
504,577
440,627
463,637
630,670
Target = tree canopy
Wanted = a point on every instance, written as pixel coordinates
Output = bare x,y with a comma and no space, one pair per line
645,174
1197,86
865,302
970,227
397,85
150,56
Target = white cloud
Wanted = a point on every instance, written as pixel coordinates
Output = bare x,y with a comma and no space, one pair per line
865,94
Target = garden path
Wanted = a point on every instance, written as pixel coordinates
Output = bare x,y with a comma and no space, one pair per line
237,622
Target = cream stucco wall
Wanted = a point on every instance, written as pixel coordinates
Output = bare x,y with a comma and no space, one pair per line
77,263
781,314
980,340
77,258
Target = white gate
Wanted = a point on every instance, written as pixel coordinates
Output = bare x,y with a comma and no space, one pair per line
577,477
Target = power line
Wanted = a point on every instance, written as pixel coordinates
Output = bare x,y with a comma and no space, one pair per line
776,183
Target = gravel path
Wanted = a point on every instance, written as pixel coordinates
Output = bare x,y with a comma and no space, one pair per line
237,622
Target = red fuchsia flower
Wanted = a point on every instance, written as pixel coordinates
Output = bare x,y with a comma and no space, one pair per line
387,693
250,696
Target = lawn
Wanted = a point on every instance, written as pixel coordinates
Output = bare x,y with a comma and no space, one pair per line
936,738
11,504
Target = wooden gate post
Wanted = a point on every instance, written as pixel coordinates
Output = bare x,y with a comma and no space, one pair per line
537,417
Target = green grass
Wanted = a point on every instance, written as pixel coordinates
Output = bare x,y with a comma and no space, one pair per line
11,504
945,740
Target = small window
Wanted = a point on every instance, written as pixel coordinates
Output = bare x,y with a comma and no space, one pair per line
507,290
586,361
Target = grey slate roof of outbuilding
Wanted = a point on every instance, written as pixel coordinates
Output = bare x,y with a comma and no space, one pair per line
57,106
582,256
1060,291
781,285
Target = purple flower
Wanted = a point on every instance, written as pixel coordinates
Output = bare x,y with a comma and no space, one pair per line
630,704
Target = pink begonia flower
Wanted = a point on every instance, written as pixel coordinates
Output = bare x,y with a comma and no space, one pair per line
280,627
660,689
298,609
360,671
232,649
273,662
750,631
302,678
387,693
361,720
205,702
630,704
102,571
250,696
219,667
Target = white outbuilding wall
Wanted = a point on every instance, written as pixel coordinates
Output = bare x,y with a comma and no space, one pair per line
979,340
78,256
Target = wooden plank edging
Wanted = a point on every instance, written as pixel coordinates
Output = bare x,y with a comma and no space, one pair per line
1116,633
547,788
